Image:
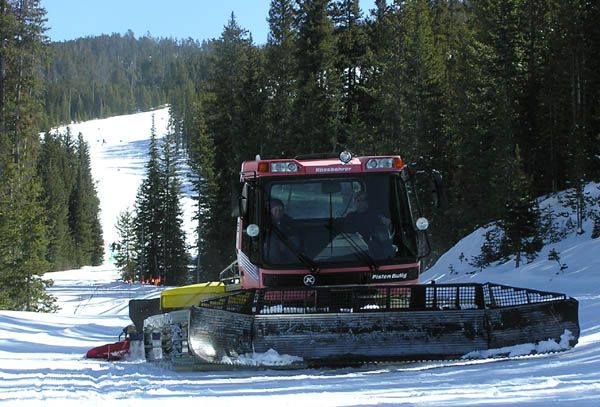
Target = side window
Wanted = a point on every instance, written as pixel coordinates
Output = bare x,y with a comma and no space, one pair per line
250,245
405,198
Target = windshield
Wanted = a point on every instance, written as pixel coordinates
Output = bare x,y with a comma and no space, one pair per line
362,220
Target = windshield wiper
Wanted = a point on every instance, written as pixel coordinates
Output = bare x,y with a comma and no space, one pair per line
359,253
307,261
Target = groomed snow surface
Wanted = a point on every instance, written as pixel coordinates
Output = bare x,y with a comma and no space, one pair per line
41,355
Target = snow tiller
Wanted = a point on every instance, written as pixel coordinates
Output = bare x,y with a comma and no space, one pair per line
328,261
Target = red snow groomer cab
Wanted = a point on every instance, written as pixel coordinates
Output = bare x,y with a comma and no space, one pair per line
327,221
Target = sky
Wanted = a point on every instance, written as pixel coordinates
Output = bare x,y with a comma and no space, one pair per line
41,355
179,19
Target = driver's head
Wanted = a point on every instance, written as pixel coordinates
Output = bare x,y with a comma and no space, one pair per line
362,204
276,209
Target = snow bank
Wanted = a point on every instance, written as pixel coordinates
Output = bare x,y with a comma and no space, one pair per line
269,358
525,348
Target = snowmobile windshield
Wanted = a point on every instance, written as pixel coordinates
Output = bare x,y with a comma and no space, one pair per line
363,220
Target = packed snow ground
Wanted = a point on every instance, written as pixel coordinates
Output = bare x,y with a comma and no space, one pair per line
41,355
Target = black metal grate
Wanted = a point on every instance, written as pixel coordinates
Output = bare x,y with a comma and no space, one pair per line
498,296
453,297
333,300
357,299
239,302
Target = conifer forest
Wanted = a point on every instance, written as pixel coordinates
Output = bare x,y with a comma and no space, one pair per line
501,96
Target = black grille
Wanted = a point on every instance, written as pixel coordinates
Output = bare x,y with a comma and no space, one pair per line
356,299
498,296
321,279
297,280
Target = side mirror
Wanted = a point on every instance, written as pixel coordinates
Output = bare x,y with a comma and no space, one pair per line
244,201
235,201
239,201
439,194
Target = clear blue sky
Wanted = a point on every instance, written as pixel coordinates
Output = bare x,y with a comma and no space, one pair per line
198,19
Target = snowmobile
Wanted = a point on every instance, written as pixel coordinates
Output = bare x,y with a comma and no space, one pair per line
329,252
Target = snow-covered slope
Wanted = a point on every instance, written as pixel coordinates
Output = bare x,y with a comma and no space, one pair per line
579,252
118,154
41,355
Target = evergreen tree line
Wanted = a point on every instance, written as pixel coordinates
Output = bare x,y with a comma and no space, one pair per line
48,206
151,246
107,75
71,203
501,96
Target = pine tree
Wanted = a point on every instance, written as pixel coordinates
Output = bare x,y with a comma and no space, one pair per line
423,86
23,235
382,39
280,68
84,208
202,158
318,98
149,215
596,228
57,171
534,141
553,255
174,255
473,121
570,121
155,250
182,90
351,62
498,26
232,110
521,221
127,247
97,254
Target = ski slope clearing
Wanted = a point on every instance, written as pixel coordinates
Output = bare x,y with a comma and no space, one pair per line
118,155
42,363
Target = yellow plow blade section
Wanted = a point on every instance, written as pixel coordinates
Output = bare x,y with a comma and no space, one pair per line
190,295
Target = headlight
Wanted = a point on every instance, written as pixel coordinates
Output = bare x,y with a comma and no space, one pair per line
372,164
284,166
345,157
381,163
422,224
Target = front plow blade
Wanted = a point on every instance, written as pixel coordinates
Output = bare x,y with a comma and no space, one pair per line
357,324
